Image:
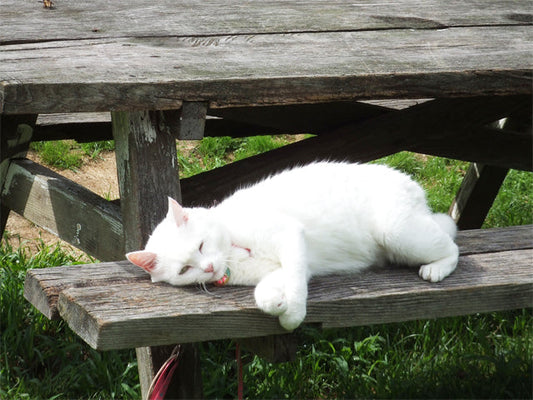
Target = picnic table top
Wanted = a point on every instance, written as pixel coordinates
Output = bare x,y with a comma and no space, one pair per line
136,55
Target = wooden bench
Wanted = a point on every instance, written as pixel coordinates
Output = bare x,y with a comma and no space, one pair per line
114,305
226,68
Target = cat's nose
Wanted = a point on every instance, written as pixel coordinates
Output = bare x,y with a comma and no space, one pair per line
210,268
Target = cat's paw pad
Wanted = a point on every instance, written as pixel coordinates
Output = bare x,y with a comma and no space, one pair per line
270,299
292,319
432,273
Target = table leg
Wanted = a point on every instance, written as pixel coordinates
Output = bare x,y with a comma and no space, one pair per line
148,172
482,183
476,195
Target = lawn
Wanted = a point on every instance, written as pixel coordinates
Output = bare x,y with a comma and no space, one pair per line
477,356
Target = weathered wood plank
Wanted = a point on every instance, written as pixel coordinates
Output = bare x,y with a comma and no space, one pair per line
26,21
65,208
482,283
82,127
157,73
42,286
483,144
302,118
498,257
476,195
192,123
53,280
479,241
236,122
112,317
507,146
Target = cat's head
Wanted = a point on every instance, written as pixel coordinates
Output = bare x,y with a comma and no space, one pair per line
187,247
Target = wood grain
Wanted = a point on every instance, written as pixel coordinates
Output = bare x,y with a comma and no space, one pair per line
158,73
28,22
65,208
127,314
476,195
110,317
147,168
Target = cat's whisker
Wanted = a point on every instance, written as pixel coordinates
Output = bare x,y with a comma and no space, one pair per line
205,289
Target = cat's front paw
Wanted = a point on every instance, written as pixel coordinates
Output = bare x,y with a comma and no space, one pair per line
436,272
270,299
292,318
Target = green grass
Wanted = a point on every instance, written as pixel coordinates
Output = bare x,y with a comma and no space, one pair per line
212,153
477,356
45,359
67,154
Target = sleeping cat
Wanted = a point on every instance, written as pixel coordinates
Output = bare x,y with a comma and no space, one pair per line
321,218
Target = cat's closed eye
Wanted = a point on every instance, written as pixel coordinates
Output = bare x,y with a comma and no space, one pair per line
201,247
185,269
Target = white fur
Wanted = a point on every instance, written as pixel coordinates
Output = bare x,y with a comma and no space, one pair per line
314,220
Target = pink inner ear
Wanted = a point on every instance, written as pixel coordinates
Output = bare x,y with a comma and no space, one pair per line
177,212
144,259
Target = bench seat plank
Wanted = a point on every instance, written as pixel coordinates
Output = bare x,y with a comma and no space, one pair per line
114,305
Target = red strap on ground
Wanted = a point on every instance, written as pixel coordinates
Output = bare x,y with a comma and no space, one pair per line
158,388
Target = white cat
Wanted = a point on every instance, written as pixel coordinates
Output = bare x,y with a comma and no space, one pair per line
313,220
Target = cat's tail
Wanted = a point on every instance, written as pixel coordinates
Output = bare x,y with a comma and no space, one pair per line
446,223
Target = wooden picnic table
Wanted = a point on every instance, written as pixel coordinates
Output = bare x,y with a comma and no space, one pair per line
367,78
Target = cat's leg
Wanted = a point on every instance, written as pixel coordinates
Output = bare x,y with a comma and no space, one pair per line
293,258
270,293
422,241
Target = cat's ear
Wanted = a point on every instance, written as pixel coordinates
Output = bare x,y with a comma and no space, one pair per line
142,258
176,212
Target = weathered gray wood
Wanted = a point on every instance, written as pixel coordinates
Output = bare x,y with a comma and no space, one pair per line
494,273
42,286
147,168
497,147
301,118
65,208
192,124
148,172
506,146
83,127
236,122
357,142
26,21
482,183
476,195
16,132
104,316
53,280
478,241
63,76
